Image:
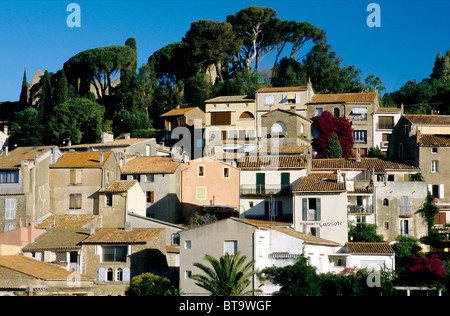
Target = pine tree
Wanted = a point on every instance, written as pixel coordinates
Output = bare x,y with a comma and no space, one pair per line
334,149
61,94
23,100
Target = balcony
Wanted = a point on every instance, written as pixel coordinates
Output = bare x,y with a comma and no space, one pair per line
360,209
265,189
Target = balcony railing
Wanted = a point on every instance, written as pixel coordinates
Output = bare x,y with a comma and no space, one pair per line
360,209
265,189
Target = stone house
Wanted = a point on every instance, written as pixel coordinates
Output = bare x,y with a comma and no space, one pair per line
424,140
160,179
118,200
25,184
292,99
115,255
359,108
384,120
288,126
76,179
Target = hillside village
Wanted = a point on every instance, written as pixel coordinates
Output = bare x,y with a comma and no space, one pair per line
100,214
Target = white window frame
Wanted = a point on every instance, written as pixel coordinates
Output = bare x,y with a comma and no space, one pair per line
434,166
10,208
230,247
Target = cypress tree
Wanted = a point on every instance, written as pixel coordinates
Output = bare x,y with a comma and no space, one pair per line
23,100
334,149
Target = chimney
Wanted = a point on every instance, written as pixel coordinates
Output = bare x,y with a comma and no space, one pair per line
128,227
358,155
5,130
5,150
127,136
92,228
308,163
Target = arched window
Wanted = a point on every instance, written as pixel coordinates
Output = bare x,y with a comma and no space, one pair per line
337,113
119,275
278,127
302,129
246,116
109,274
385,202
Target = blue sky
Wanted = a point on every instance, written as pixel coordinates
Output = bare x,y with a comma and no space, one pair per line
34,34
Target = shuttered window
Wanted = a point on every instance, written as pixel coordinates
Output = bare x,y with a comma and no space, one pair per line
230,247
75,201
10,208
311,210
220,118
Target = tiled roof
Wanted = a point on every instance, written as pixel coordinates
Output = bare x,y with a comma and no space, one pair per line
177,112
231,99
369,248
320,182
306,237
82,159
427,140
59,239
363,97
274,162
282,89
67,221
16,156
115,143
283,150
287,112
151,165
37,269
388,110
121,236
428,119
119,186
376,164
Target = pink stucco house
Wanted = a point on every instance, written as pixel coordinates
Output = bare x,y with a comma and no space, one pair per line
210,186
20,236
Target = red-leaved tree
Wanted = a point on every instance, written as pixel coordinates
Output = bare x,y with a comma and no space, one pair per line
326,124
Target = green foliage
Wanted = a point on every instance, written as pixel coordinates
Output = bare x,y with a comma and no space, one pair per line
228,276
375,152
363,232
148,284
27,128
23,99
334,149
201,219
405,248
429,212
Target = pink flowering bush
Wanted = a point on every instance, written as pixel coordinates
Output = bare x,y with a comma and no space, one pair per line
432,267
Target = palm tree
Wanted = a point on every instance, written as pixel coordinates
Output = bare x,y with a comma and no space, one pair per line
227,277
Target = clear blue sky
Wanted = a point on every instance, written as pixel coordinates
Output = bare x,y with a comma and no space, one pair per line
34,34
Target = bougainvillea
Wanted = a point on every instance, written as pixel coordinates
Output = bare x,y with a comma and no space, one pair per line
428,267
327,125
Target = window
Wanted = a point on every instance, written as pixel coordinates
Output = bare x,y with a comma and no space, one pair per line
76,176
405,227
187,274
386,225
226,172
109,275
109,199
434,150
201,194
246,116
175,239
250,204
187,244
150,178
201,171
10,208
359,114
336,112
230,247
119,275
9,176
385,122
405,206
311,210
150,196
385,202
75,201
278,127
360,136
114,253
437,190
9,227
269,99
61,256
434,166
220,118
318,111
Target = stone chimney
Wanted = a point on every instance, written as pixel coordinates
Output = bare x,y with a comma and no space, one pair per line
127,136
5,130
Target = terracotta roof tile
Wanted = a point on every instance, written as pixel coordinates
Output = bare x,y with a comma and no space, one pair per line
67,221
277,162
377,164
16,156
119,186
320,182
369,247
177,112
82,159
115,143
388,110
231,99
151,165
428,119
121,236
37,269
427,140
281,89
59,239
363,97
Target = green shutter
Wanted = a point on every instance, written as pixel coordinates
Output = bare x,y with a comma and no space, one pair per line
305,209
318,211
